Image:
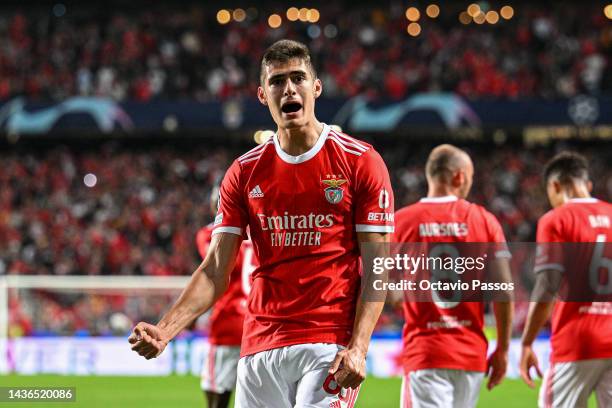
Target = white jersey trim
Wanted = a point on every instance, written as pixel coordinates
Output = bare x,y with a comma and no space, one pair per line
287,158
349,141
343,146
251,159
374,228
445,199
230,230
255,150
589,200
255,153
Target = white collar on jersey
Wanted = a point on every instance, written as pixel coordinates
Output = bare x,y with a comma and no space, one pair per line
445,199
583,200
287,158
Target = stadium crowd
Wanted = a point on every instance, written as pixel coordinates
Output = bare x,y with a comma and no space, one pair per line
164,51
141,214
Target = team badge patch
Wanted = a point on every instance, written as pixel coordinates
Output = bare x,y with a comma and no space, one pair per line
333,192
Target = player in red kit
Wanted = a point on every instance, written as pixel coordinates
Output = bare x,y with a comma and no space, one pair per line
581,340
445,348
220,364
311,198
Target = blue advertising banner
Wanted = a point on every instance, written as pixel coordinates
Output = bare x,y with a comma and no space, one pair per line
425,110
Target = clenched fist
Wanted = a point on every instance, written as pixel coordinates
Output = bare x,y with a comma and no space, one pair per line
148,340
349,367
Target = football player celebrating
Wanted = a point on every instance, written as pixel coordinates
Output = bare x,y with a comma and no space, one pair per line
311,198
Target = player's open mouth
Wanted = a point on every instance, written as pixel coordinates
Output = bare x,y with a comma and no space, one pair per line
291,107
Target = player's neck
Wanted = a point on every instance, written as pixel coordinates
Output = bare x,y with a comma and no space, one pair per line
442,191
576,192
296,141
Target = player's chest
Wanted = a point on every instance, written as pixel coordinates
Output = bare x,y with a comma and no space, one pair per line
301,190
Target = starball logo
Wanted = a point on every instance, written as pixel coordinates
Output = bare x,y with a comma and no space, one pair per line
295,229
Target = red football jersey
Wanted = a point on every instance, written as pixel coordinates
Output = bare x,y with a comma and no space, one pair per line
445,335
304,213
227,316
580,330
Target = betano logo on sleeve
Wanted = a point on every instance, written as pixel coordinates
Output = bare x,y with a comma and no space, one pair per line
383,204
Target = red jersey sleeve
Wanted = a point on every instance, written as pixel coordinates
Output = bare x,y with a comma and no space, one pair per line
548,254
232,214
496,236
374,196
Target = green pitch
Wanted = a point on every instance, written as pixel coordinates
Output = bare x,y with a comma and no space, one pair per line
183,392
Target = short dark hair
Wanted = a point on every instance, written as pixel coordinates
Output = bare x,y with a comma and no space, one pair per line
283,51
567,167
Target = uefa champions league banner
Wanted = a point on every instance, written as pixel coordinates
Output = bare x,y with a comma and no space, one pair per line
112,356
446,111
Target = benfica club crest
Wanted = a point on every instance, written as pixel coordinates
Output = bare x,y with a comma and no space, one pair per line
333,192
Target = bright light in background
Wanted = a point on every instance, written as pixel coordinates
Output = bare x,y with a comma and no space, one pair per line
239,15
413,13
608,11
303,14
274,21
313,15
473,10
414,29
90,180
292,13
223,16
262,135
506,12
170,123
465,18
257,137
479,18
432,11
492,17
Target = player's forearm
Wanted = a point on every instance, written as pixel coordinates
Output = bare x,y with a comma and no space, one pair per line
196,299
366,317
538,313
503,319
207,284
371,302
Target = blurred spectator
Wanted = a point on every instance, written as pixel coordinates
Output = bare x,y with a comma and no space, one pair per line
141,216
181,51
